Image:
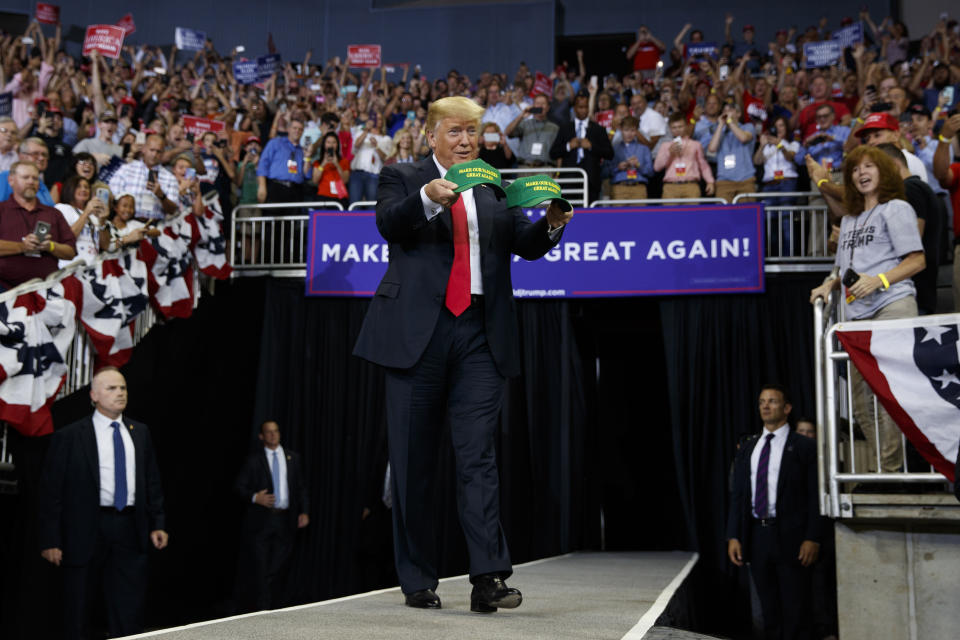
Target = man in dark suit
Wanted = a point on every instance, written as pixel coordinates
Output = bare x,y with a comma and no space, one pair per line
774,521
101,507
271,483
583,143
443,324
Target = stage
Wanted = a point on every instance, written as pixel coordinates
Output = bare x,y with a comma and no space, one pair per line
579,595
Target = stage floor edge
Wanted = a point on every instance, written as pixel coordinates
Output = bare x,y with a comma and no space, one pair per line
579,595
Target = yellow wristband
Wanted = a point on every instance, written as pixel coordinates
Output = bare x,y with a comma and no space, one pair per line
942,139
883,279
51,246
779,145
821,181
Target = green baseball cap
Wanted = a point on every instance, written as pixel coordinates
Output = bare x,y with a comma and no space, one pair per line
530,191
470,174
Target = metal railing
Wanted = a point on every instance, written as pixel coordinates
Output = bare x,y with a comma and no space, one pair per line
271,244
363,205
843,457
650,202
797,232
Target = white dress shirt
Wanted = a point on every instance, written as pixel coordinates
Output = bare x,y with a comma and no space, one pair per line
104,435
580,129
281,494
773,467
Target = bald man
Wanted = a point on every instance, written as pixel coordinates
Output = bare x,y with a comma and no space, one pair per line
101,509
154,188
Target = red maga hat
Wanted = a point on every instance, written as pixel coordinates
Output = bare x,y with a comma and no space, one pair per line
879,121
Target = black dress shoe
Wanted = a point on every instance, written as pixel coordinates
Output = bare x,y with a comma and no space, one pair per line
423,599
490,592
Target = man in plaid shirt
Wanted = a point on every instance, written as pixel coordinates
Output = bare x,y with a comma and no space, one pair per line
154,198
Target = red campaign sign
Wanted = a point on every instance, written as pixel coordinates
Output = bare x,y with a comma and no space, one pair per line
363,55
127,23
200,126
47,13
105,38
605,118
542,84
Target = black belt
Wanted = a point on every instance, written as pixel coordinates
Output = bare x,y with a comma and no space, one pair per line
275,510
765,522
684,182
285,183
127,511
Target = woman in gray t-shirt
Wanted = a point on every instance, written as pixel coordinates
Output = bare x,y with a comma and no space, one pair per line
878,251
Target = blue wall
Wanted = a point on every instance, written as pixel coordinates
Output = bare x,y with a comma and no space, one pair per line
471,38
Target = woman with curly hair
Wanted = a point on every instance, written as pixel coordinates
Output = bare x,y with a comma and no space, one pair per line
878,251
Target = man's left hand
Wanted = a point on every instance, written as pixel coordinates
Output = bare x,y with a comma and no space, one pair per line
32,243
159,538
302,520
556,217
585,143
809,551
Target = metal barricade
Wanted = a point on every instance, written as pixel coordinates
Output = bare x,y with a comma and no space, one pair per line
572,181
647,202
363,205
274,244
795,233
843,461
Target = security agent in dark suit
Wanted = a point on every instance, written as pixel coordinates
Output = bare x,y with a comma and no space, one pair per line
583,143
271,483
775,524
101,508
443,324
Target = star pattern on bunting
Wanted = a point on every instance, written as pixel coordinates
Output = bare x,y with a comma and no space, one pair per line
934,333
946,379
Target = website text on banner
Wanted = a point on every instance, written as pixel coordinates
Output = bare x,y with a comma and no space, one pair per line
105,38
363,55
637,251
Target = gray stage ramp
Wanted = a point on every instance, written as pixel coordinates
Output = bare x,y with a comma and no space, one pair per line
580,595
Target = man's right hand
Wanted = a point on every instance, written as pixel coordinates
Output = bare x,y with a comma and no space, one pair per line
261,194
441,192
735,552
264,499
951,126
52,555
574,143
30,242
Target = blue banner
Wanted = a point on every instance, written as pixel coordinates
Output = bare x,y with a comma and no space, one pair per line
849,36
702,50
269,65
636,251
253,71
6,104
822,54
190,39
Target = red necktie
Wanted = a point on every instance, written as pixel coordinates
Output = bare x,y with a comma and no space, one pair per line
458,285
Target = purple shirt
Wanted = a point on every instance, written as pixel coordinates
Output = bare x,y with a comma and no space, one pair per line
17,222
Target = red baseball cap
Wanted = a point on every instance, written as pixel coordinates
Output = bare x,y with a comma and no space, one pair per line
879,121
252,139
748,27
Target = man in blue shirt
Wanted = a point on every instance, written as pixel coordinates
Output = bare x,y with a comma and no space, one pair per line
33,150
282,171
825,144
632,164
732,144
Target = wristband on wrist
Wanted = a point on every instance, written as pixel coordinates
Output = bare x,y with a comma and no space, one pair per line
883,279
779,145
942,139
51,246
821,181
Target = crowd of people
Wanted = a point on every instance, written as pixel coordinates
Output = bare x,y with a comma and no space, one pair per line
691,119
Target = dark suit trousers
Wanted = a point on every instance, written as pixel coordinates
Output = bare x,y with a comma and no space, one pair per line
456,377
783,585
272,546
119,567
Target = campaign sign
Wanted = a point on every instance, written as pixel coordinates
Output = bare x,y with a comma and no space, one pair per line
199,126
849,36
6,104
268,65
605,118
702,50
47,13
363,55
105,38
190,39
822,54
604,253
245,72
127,23
542,84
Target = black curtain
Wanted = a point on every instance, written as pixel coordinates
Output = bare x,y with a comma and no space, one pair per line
619,434
719,351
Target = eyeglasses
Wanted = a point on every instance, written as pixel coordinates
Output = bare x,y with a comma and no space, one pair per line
824,116
36,154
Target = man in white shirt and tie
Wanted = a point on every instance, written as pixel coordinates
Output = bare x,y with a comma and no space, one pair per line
271,482
774,520
101,509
